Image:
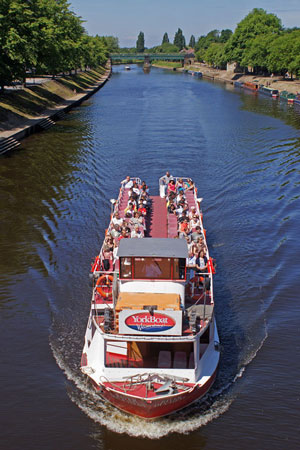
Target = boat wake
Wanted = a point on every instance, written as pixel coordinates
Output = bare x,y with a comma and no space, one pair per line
197,415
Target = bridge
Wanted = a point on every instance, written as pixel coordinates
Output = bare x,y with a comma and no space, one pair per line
149,57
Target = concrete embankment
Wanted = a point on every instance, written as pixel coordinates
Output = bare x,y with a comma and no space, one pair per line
16,125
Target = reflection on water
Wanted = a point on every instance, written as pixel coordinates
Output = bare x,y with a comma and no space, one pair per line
243,153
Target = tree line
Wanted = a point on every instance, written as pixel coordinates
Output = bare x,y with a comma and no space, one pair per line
45,36
259,43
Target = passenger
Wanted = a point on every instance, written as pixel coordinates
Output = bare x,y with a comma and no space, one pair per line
143,187
189,185
117,220
133,200
166,179
137,219
196,234
200,245
194,222
192,212
136,233
128,183
116,231
183,228
129,211
142,209
180,197
123,235
171,187
201,263
135,188
172,209
179,185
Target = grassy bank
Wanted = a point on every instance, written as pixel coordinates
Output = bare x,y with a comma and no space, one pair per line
18,105
167,64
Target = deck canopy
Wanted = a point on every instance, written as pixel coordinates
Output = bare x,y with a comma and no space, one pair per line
153,247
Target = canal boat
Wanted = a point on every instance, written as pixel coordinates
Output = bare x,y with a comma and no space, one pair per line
297,99
251,86
151,344
268,91
287,96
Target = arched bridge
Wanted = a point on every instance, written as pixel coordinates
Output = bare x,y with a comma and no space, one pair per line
148,57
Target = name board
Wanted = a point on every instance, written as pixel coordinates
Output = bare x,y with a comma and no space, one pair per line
142,322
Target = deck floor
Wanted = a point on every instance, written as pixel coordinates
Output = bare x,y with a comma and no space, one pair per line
158,218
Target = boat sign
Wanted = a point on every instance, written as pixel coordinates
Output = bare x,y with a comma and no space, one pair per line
142,322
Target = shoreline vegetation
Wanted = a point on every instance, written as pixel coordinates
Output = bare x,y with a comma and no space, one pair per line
23,108
276,82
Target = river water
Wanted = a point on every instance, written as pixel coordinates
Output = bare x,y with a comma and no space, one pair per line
244,154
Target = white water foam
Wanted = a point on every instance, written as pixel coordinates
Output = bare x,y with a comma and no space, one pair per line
214,404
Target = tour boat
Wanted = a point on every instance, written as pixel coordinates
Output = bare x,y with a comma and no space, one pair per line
127,67
151,344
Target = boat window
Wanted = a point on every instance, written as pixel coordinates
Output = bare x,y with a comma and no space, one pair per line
179,269
146,355
154,268
125,268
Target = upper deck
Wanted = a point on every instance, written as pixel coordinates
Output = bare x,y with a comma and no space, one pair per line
145,273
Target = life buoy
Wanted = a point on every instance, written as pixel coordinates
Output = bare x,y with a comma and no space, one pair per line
104,285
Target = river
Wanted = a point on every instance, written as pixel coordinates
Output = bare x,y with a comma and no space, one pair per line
243,152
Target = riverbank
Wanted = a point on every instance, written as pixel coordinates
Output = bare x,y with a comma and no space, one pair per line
276,82
22,111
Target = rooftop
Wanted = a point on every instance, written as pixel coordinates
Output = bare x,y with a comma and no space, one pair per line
153,247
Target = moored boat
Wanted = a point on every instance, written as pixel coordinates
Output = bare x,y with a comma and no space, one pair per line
151,344
297,99
251,86
287,96
268,91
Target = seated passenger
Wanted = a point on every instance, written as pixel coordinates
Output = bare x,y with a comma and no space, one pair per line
200,245
179,185
196,234
136,233
123,235
128,183
192,212
117,220
142,209
116,231
194,222
180,197
137,219
130,210
189,185
171,187
135,188
201,263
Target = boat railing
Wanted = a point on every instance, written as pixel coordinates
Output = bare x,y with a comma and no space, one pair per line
170,383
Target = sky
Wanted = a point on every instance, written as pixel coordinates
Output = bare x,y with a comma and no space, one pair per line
126,18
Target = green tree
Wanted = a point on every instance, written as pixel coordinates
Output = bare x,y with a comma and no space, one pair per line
192,41
256,23
165,39
225,35
215,55
284,54
140,43
164,48
257,52
179,39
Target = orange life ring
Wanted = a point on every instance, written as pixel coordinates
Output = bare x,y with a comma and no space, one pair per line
104,285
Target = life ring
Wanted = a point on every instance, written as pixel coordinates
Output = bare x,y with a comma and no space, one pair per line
104,285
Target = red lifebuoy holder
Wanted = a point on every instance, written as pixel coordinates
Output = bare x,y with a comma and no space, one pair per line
104,285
